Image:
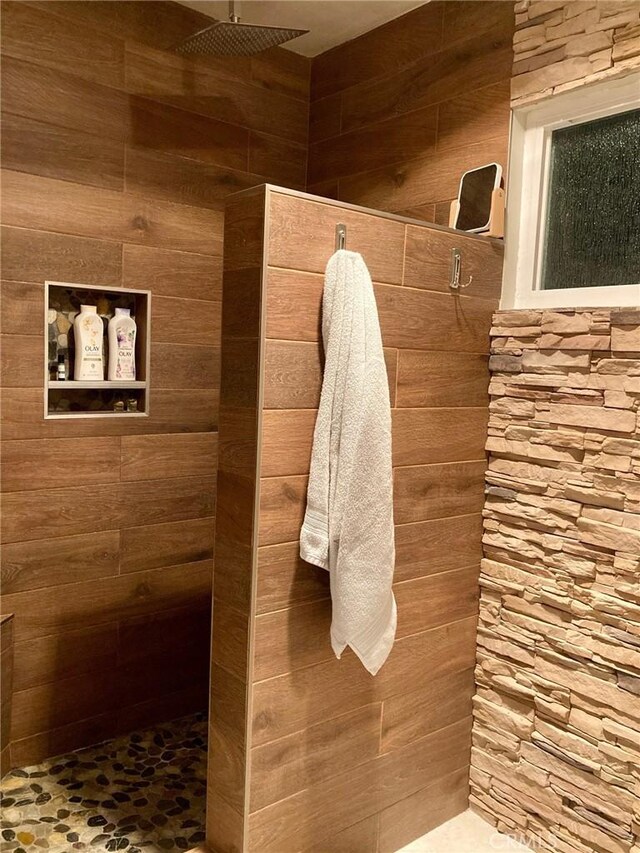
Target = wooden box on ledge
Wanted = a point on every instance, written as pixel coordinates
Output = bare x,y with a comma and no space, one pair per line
64,395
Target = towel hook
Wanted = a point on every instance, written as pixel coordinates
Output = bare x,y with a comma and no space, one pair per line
341,236
456,265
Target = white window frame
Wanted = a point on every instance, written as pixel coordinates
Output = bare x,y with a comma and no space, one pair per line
531,129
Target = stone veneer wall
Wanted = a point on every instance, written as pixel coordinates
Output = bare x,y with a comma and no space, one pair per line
559,45
556,739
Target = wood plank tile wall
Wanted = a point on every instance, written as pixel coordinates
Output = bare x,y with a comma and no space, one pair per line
118,156
332,758
400,112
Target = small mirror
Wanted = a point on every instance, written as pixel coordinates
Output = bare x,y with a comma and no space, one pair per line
474,197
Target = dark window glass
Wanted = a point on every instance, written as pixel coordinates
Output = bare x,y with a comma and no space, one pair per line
593,215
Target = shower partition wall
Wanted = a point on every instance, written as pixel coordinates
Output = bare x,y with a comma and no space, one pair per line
308,753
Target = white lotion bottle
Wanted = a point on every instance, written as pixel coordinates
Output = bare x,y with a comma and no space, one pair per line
122,346
88,332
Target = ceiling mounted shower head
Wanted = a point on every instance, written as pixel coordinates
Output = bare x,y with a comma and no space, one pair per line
231,38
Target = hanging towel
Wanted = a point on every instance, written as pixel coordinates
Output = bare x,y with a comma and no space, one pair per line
348,524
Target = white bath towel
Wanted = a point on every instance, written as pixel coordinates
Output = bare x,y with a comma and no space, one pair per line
348,524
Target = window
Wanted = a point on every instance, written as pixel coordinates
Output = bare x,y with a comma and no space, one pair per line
573,200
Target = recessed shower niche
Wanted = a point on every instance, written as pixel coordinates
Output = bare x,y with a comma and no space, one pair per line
66,394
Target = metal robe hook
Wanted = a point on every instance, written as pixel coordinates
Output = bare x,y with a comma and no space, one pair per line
456,266
341,236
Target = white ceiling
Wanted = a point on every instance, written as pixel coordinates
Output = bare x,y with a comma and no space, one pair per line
331,22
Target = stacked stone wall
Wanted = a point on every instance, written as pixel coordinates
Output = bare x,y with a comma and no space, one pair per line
559,45
556,738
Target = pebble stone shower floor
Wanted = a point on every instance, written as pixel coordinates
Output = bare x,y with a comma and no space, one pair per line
143,792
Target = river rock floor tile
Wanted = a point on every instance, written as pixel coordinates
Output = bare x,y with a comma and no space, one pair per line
143,793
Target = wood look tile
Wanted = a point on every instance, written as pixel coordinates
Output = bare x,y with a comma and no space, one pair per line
294,305
335,687
466,17
155,501
59,656
274,652
280,161
417,814
426,180
227,775
425,603
43,514
419,319
391,46
324,117
166,544
189,410
78,104
181,366
168,273
98,602
284,579
47,204
362,836
200,88
434,77
47,706
424,492
478,114
32,749
21,361
160,127
287,437
282,504
22,308
172,706
242,302
302,237
430,436
158,175
282,70
230,639
411,715
225,825
33,35
235,521
428,262
442,380
46,513
238,447
51,562
152,457
37,256
293,374
233,574
244,226
395,140
303,759
58,152
333,804
154,24
185,321
44,464
438,545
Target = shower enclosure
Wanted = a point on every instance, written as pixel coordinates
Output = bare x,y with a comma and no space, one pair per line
308,753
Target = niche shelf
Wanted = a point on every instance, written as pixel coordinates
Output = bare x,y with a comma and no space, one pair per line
71,398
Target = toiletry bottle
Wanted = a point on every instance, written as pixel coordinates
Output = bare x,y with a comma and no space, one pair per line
61,372
122,346
88,331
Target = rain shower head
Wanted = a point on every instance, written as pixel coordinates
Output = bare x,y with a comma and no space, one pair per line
231,38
